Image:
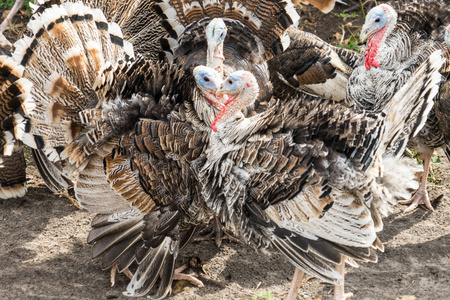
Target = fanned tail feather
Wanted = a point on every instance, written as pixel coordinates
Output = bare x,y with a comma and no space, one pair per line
267,19
68,46
429,16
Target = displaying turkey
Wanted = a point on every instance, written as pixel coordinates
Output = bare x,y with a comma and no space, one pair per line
394,51
276,177
89,91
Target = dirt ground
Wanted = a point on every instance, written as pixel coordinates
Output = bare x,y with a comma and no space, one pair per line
44,255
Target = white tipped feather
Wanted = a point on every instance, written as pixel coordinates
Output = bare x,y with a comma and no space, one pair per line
19,129
74,8
98,15
7,192
28,139
35,25
51,14
176,26
285,40
168,10
21,47
52,154
9,143
292,12
191,5
128,49
114,29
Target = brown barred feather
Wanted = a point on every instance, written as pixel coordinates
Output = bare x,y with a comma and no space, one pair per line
13,180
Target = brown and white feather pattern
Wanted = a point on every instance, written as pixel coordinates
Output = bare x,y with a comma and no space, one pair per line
313,66
288,190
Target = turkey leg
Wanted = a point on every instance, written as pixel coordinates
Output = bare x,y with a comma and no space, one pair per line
421,195
296,283
339,293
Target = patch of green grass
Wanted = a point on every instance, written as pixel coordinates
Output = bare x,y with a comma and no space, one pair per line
345,15
264,295
8,4
352,43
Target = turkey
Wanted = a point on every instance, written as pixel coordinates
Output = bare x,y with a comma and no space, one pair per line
394,50
276,176
88,92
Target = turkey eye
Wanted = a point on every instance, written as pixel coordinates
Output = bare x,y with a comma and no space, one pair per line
230,81
206,79
221,35
377,20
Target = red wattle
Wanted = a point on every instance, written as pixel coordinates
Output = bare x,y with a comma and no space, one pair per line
372,49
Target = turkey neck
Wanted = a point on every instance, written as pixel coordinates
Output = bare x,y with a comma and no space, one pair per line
372,48
215,58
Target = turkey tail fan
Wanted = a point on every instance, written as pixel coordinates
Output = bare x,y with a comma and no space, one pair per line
51,172
13,179
267,19
69,45
324,6
410,105
116,238
140,24
429,16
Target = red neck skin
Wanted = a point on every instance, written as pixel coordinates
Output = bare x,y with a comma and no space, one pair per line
372,49
222,112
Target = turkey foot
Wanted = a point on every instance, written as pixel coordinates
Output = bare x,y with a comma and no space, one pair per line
177,275
421,196
127,273
218,232
339,293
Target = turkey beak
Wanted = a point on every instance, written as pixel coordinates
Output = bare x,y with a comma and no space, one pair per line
366,32
221,95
